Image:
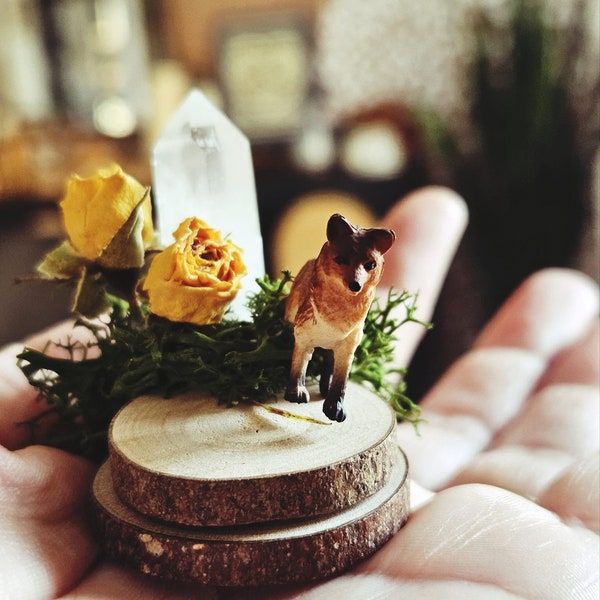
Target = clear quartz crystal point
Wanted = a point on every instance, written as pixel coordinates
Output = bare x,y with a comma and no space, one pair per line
202,167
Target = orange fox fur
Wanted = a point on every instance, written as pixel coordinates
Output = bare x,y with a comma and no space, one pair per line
327,306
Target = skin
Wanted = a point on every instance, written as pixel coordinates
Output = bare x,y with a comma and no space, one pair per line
505,471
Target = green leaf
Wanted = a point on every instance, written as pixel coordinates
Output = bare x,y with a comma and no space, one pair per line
90,296
62,263
126,249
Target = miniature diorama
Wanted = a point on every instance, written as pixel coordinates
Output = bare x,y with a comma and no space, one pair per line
182,391
328,304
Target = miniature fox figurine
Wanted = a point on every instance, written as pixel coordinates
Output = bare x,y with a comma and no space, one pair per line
328,304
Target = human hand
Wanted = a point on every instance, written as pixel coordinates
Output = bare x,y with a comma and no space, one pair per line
510,446
464,534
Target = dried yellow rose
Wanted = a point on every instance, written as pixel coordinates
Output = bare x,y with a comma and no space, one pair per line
195,279
108,218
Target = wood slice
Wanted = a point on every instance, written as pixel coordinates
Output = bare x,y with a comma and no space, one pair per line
189,461
252,555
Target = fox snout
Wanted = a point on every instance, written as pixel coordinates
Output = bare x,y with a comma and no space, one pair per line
357,280
364,274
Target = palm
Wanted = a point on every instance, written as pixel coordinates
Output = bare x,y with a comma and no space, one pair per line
519,413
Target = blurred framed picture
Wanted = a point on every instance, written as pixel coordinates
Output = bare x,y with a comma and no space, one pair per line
264,72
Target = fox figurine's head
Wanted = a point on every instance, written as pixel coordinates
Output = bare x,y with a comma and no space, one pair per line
354,255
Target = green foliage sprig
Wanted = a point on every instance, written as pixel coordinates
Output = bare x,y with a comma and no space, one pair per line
526,169
234,361
374,363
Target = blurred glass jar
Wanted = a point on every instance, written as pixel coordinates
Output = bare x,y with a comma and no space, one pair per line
25,90
103,64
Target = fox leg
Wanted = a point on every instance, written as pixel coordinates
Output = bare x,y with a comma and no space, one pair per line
326,372
296,389
333,406
343,355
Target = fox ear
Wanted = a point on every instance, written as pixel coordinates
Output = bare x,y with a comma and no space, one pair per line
381,239
338,227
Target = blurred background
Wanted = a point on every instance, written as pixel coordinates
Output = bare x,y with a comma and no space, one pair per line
348,106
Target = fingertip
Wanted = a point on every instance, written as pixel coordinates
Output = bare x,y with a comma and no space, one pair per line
550,310
551,278
434,201
429,224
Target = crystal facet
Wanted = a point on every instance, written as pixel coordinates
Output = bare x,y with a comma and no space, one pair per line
202,167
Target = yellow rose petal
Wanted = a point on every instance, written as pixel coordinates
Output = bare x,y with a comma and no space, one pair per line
197,277
96,208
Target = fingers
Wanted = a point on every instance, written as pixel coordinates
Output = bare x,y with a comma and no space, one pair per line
48,546
579,363
42,482
373,586
575,494
57,332
19,400
476,541
428,224
557,425
487,391
562,418
550,311
462,412
112,581
484,534
42,496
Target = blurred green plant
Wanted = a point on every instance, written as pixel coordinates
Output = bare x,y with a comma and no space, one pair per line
527,179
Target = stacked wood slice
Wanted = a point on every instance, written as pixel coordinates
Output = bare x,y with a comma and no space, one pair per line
194,491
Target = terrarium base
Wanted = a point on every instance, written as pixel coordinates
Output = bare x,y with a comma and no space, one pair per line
252,555
190,461
194,491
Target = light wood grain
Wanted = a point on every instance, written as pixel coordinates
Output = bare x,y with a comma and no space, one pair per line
271,553
190,461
